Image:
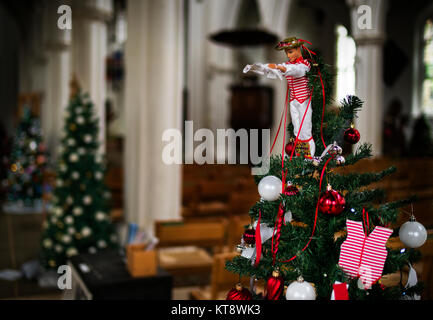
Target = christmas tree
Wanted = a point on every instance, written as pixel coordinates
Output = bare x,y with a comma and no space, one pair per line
79,220
27,163
325,230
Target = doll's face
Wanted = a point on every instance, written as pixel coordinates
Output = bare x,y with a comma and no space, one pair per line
293,53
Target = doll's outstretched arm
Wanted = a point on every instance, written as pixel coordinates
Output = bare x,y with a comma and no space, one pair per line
296,69
264,70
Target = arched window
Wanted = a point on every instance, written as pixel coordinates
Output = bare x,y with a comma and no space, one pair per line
346,51
427,68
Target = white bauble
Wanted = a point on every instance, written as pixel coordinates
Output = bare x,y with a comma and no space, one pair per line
75,175
71,142
98,175
100,216
102,244
59,182
58,211
53,220
69,220
78,110
413,234
81,151
86,231
77,211
47,243
80,119
92,250
69,200
98,158
73,157
63,167
66,238
87,138
58,248
71,230
71,252
270,188
300,290
87,200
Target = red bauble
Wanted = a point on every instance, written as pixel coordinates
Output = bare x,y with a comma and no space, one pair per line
351,135
289,147
239,293
274,286
291,190
249,236
331,202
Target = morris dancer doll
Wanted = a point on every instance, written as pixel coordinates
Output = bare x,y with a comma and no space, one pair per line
295,72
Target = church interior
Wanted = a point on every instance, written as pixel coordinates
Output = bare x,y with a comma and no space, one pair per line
174,68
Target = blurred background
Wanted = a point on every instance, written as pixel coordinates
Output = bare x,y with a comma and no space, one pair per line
151,65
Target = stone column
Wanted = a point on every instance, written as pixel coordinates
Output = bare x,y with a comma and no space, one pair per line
57,45
368,31
89,52
154,74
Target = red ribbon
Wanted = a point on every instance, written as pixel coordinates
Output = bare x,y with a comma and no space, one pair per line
366,229
278,221
258,241
278,234
316,214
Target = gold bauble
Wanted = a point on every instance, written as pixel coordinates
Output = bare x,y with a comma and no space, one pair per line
14,167
52,263
72,127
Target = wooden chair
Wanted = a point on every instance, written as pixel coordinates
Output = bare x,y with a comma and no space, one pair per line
235,230
182,244
241,203
180,233
221,280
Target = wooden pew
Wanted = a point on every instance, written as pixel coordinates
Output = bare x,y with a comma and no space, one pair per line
236,228
182,245
221,280
241,203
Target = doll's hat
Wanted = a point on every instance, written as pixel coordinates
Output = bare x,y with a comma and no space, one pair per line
289,43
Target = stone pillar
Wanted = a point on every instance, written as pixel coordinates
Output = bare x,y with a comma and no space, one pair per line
57,76
368,31
154,80
89,52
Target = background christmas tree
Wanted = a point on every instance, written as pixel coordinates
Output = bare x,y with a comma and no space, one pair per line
317,261
26,166
79,220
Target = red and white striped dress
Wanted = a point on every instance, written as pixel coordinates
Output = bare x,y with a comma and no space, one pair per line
298,85
363,256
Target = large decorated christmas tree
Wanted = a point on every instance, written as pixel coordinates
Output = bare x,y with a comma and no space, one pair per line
27,163
79,220
318,230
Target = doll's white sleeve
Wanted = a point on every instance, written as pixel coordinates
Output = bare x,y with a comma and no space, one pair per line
263,70
295,69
